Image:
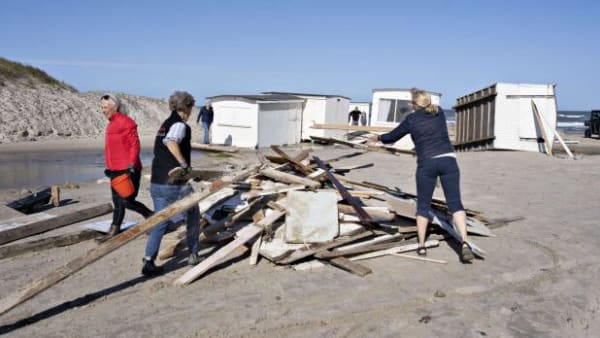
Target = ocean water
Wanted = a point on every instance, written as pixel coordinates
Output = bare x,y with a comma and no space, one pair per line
567,121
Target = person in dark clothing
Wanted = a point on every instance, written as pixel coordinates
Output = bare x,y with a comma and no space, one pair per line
172,150
435,158
121,156
354,117
206,115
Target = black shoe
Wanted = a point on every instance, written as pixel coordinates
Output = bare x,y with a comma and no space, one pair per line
149,269
466,254
193,259
112,232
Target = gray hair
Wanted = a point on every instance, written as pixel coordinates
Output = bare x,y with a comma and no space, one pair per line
181,101
113,99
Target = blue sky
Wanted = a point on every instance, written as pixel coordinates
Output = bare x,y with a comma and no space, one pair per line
347,47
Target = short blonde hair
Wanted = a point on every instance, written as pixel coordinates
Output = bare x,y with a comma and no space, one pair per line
422,99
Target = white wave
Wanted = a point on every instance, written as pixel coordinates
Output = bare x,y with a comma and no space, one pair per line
569,124
571,116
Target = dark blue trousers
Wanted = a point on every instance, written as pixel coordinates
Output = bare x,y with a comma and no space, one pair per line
428,171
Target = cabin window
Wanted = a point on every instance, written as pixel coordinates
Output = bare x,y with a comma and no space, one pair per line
394,111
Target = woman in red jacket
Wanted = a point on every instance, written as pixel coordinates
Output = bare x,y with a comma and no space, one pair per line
121,155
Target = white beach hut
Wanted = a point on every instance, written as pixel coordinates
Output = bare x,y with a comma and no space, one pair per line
321,109
256,120
501,116
390,106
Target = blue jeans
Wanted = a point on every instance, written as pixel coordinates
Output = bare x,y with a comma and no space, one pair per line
162,196
206,129
427,173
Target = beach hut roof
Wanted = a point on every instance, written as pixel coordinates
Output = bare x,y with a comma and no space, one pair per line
258,98
306,94
400,90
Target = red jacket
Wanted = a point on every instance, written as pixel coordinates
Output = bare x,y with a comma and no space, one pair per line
121,143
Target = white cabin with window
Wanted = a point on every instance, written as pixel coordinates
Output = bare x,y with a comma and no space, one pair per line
320,109
254,121
390,106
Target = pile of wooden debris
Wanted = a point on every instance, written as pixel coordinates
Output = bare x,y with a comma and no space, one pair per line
301,211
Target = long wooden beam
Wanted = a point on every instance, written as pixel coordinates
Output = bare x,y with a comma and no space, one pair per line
24,226
347,127
47,243
38,285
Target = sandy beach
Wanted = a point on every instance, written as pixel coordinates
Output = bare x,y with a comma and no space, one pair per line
539,278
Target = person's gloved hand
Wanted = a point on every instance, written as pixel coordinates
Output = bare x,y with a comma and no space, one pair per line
131,169
107,172
186,168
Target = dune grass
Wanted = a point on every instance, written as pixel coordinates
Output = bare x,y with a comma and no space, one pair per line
13,71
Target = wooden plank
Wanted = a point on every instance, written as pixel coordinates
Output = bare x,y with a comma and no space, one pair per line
375,214
255,193
296,164
374,148
255,250
40,284
28,225
361,249
289,178
244,235
47,243
399,249
311,249
350,266
214,148
376,240
365,218
439,261
542,128
541,118
347,127
403,248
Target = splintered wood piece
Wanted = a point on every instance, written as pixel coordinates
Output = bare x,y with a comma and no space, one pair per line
375,214
289,178
296,164
255,251
55,195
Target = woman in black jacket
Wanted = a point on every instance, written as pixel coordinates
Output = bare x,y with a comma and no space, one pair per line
435,158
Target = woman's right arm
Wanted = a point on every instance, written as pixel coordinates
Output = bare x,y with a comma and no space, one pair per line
397,133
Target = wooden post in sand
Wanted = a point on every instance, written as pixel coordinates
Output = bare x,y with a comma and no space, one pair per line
43,283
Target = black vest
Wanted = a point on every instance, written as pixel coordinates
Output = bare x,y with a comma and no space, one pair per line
163,160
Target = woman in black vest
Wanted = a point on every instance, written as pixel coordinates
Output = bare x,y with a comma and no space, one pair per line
172,149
